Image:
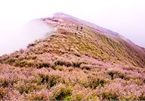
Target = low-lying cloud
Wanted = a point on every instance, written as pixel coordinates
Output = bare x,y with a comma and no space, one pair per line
12,40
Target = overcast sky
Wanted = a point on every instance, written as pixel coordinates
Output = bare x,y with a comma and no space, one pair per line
126,17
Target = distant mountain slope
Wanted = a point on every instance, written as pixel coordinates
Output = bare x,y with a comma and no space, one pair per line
74,19
77,62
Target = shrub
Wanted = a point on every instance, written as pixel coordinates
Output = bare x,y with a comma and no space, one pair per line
21,63
4,82
8,81
30,63
44,78
142,96
77,64
39,95
110,95
11,61
86,66
115,74
96,81
23,87
31,44
55,79
77,97
70,69
3,92
36,97
67,98
62,62
61,92
94,98
59,67
42,64
51,79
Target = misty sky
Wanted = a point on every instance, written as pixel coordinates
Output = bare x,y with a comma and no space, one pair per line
126,17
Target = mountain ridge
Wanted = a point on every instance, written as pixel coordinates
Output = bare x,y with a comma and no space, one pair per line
68,17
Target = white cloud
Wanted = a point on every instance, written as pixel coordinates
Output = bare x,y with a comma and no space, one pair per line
13,40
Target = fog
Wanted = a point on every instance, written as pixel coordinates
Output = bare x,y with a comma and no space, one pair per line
19,38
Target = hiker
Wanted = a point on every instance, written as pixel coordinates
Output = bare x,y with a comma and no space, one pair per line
77,27
81,28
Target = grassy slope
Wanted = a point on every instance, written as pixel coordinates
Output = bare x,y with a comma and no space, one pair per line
74,64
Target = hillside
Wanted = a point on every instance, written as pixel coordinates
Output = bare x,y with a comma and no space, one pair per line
77,62
77,20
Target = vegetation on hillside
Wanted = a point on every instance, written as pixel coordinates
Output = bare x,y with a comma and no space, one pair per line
76,63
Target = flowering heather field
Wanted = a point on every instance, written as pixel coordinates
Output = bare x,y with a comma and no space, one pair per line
76,63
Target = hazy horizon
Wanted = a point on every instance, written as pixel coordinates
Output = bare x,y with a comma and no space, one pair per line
124,17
